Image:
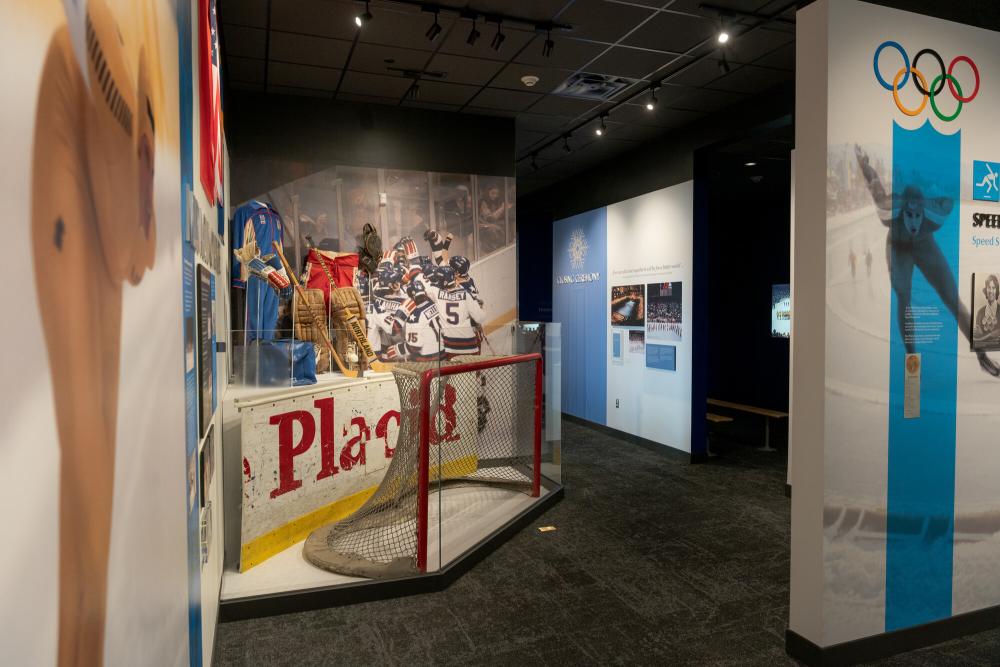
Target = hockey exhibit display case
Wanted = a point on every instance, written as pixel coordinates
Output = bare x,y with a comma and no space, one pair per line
392,483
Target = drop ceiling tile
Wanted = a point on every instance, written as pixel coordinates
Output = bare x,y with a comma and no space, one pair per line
751,80
509,100
563,106
296,90
315,17
548,78
706,100
420,104
603,21
446,93
700,73
377,85
460,69
244,12
535,10
248,42
672,32
244,70
514,41
306,50
662,116
751,46
781,58
693,6
371,58
541,123
405,29
631,63
366,99
303,76
636,132
568,53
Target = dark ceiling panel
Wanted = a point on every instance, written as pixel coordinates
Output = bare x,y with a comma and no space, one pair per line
245,70
672,32
548,78
246,42
419,104
405,29
315,17
700,73
301,92
372,58
536,10
751,80
306,50
563,106
508,100
568,53
636,132
514,41
526,139
242,85
706,100
693,6
446,93
474,71
631,63
661,116
375,84
748,48
303,76
781,58
244,12
603,21
366,99
541,122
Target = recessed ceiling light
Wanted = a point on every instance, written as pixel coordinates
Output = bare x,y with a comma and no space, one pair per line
723,37
750,164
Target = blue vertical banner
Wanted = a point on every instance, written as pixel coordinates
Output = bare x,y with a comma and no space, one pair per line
924,247
579,303
185,69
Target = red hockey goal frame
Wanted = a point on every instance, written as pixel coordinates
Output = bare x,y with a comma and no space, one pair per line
423,471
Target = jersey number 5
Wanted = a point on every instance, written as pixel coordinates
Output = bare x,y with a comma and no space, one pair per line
451,313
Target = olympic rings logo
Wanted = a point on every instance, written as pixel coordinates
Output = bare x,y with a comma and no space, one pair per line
931,92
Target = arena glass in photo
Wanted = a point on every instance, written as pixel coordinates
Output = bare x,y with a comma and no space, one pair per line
781,311
985,315
628,308
665,311
636,342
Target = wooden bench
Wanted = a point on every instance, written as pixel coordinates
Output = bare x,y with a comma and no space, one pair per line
764,412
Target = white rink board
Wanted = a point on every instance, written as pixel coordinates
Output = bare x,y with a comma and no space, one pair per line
287,477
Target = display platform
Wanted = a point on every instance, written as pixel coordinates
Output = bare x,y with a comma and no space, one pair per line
473,522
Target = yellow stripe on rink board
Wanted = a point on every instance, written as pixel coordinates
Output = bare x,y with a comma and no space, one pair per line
500,321
260,549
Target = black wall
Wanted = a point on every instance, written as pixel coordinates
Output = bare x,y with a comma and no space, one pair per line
274,139
748,252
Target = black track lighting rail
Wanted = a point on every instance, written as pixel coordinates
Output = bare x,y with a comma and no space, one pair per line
730,12
605,113
475,15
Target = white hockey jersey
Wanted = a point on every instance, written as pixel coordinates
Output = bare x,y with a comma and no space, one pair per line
381,311
420,329
460,313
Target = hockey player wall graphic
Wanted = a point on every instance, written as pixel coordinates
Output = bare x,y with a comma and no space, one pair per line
100,120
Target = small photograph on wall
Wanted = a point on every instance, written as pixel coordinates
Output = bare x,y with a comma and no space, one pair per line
636,342
985,315
616,347
666,303
661,357
781,311
628,307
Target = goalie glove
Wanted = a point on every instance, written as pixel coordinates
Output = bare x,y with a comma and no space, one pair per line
408,247
395,353
275,277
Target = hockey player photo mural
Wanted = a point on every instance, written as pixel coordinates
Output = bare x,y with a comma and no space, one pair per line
93,229
912,217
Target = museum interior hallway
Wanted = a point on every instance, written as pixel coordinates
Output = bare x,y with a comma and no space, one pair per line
654,562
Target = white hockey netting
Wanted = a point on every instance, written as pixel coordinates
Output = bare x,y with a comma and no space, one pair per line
480,424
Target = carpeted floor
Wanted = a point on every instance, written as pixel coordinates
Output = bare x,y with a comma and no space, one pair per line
655,562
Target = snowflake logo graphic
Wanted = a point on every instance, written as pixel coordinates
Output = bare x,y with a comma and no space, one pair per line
578,249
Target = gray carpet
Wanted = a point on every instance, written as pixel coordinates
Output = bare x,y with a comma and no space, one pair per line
655,562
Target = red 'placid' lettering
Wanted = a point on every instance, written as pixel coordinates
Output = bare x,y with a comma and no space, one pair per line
287,451
348,460
382,430
327,448
445,413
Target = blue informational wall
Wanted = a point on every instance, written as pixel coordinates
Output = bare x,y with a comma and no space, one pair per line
579,264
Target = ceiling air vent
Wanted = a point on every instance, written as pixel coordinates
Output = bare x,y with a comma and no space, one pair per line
593,86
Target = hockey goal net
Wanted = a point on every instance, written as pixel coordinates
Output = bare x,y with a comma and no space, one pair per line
475,421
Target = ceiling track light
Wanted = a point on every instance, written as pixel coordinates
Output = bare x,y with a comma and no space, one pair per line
435,29
534,164
723,36
498,38
651,104
566,146
473,34
602,129
361,20
724,65
548,45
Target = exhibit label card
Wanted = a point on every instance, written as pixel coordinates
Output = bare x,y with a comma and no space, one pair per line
911,387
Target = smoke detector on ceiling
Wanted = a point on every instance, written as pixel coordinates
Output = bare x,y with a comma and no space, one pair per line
529,80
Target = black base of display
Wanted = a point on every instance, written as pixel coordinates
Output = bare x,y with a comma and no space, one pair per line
258,606
891,643
665,450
